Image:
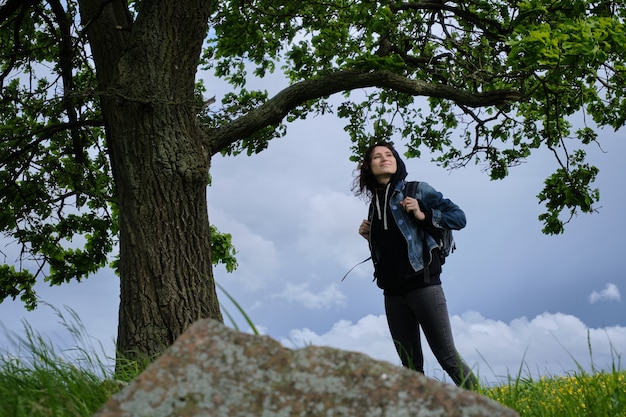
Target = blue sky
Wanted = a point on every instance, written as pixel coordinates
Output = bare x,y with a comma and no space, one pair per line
517,298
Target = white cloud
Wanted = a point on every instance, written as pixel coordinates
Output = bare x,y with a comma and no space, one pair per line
549,344
329,297
609,293
330,232
369,335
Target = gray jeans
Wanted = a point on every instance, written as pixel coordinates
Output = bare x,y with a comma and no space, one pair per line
426,308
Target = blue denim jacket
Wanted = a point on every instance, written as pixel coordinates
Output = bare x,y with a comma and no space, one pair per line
445,214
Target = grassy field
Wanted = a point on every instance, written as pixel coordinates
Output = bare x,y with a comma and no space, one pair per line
40,382
601,394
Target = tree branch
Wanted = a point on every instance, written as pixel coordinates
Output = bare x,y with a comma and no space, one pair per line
10,6
274,110
490,26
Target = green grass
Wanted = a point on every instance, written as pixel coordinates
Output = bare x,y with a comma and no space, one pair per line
601,394
38,381
586,394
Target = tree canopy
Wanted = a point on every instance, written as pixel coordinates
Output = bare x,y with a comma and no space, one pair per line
503,78
101,106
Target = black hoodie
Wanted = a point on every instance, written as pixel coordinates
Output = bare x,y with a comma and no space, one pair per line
394,273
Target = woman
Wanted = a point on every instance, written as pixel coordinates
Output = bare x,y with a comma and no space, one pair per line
397,231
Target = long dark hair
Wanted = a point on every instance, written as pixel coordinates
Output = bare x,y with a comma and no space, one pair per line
365,183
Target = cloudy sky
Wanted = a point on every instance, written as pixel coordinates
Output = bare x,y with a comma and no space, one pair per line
520,301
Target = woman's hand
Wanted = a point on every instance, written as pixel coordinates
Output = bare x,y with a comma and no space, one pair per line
411,205
364,229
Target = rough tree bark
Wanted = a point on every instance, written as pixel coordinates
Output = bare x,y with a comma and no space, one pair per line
146,73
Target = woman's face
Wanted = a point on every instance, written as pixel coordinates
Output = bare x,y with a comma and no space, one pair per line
383,164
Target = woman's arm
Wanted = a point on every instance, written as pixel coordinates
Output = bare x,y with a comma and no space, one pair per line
445,214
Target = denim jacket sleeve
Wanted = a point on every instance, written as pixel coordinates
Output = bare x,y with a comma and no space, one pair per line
445,214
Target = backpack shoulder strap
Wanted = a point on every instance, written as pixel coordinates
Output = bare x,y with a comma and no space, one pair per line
411,188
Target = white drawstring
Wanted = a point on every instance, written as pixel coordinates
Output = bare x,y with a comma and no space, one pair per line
383,216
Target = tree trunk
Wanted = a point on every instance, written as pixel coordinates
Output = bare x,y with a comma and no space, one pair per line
165,266
147,72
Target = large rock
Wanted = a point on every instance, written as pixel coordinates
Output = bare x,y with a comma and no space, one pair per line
212,370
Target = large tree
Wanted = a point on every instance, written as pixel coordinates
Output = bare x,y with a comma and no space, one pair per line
106,137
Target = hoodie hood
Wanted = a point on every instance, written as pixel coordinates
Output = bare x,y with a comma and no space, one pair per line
400,169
